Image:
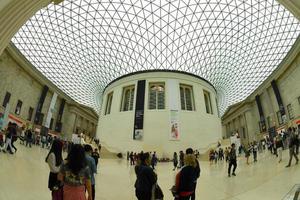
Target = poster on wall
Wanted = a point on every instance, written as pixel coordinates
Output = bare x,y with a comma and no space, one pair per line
138,134
174,107
174,125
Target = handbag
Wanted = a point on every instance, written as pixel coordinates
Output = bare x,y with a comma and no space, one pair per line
157,193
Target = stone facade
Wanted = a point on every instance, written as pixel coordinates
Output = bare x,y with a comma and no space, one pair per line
24,84
287,77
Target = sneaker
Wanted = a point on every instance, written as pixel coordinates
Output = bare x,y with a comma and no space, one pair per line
288,166
228,175
233,174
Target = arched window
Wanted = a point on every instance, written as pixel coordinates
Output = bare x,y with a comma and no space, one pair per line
186,97
156,96
127,98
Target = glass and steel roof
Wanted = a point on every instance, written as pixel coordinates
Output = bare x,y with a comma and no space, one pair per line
82,45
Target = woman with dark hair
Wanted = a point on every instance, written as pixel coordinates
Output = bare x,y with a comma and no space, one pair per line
54,160
76,175
145,178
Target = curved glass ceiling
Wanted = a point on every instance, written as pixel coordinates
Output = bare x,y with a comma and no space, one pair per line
82,45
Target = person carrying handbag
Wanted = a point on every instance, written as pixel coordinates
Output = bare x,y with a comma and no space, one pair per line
54,160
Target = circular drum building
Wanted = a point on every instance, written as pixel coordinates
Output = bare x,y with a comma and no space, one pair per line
162,111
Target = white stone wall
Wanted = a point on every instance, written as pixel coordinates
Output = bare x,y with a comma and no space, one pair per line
197,128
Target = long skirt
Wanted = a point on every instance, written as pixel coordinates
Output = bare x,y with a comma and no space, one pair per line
74,192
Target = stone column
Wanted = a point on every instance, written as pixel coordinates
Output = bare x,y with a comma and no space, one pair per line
250,124
69,123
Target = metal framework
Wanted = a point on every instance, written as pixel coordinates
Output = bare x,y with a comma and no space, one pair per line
82,45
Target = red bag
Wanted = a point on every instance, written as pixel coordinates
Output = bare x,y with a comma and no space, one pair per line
57,194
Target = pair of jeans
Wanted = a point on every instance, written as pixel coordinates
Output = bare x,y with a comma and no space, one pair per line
8,144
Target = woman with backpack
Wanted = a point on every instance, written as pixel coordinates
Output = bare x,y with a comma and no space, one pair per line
76,175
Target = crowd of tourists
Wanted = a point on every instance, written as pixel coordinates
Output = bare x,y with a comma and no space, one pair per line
285,140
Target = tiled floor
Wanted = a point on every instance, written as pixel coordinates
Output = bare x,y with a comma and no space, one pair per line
24,176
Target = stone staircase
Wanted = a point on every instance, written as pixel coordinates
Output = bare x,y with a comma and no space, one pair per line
204,152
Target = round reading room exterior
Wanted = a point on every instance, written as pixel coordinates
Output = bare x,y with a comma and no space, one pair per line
162,111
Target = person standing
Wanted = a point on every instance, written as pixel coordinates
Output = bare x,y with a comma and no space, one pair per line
153,160
254,150
127,156
232,160
22,136
185,178
189,151
226,152
247,154
131,158
96,156
54,160
175,160
181,159
145,178
28,137
8,139
92,165
279,146
1,121
75,175
292,148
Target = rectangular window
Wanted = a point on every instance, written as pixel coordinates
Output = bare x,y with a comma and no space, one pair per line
127,98
156,96
186,97
6,99
280,121
30,112
18,107
207,101
108,103
290,111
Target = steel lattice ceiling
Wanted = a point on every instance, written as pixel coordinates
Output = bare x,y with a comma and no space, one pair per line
82,45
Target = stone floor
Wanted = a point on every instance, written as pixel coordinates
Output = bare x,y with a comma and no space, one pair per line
24,176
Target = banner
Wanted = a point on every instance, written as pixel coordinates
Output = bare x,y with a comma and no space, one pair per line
174,125
5,115
138,128
173,88
50,110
